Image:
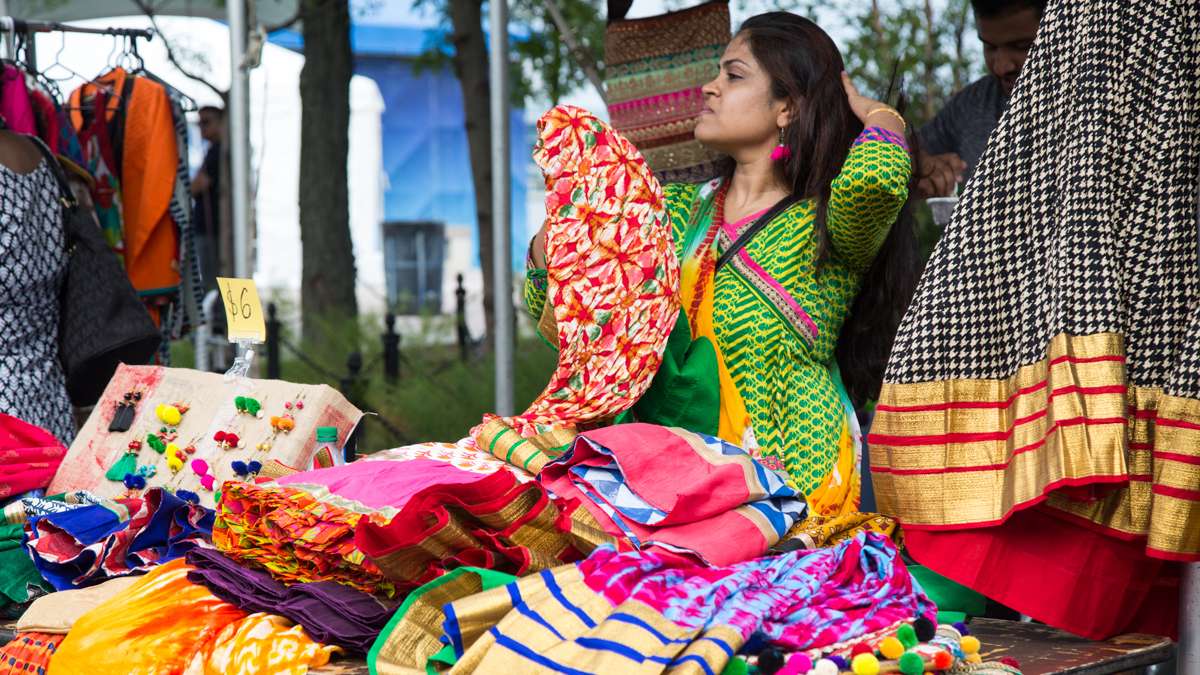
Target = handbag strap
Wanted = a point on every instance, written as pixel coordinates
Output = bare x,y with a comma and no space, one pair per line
748,233
66,197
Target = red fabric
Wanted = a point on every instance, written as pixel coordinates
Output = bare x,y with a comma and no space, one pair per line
497,522
1073,578
47,118
29,456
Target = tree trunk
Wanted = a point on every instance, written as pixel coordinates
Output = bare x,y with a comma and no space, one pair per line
328,276
930,62
960,62
471,67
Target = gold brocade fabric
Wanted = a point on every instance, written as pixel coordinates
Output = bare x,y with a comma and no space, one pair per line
530,454
824,531
1068,430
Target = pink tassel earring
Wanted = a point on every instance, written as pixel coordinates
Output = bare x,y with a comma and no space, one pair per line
782,152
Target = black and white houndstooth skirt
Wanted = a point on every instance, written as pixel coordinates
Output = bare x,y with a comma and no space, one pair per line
1051,356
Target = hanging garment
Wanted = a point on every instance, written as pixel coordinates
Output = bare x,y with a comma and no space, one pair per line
187,306
45,112
33,261
147,155
101,162
654,68
1038,433
16,109
613,283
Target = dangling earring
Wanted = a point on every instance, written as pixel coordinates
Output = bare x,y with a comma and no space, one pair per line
781,152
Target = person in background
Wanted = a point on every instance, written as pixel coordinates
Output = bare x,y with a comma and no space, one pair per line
953,142
33,263
206,194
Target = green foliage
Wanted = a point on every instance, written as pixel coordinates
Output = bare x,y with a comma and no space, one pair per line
541,65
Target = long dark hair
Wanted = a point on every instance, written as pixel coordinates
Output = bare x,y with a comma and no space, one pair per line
805,68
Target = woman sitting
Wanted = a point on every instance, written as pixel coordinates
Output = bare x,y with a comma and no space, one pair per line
786,260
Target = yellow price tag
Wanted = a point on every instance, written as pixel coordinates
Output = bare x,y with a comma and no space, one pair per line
243,310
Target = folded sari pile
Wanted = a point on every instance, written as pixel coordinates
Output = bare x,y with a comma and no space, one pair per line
330,613
386,526
676,492
29,456
164,623
498,522
647,613
84,545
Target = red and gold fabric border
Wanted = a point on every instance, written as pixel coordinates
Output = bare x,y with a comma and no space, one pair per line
1068,430
496,523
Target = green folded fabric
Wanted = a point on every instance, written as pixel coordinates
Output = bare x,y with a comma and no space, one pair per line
954,601
685,391
18,577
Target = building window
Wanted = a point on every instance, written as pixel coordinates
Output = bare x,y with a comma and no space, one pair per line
413,254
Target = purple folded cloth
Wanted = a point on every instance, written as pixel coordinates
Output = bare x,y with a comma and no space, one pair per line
331,613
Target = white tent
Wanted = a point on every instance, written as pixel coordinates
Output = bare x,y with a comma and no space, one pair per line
270,12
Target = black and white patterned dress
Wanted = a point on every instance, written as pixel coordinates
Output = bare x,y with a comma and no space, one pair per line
32,264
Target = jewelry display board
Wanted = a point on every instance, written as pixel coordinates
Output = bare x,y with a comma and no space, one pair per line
172,427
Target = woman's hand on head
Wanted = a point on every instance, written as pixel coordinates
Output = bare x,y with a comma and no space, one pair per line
880,114
861,105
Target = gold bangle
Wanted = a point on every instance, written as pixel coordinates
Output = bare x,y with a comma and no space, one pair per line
890,111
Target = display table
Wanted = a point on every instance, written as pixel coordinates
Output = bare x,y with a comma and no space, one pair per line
1040,649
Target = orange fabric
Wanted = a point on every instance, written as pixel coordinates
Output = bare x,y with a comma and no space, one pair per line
149,159
260,643
156,627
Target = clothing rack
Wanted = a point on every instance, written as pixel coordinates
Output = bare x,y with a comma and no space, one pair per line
12,26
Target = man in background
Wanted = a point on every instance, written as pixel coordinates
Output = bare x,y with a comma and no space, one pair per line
206,195
953,142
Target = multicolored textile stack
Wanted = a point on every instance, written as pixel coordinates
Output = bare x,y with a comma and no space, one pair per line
498,523
295,536
654,70
612,285
166,624
619,611
98,541
716,504
383,526
330,613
